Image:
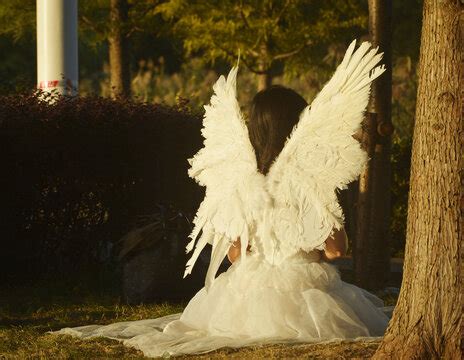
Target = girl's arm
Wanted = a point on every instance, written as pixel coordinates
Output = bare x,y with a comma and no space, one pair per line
335,245
234,250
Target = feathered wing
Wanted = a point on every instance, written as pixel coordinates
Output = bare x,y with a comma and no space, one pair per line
320,155
226,165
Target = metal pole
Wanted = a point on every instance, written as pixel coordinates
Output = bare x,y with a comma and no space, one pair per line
57,63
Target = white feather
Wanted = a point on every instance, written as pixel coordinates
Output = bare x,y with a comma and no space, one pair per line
321,155
226,165
295,206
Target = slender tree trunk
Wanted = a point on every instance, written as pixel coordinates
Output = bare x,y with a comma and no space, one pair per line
264,81
426,321
372,257
118,50
351,213
265,78
363,209
379,227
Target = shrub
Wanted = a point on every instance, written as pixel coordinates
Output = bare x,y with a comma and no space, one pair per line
77,172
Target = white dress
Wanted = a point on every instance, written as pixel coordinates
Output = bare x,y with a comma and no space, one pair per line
279,292
302,300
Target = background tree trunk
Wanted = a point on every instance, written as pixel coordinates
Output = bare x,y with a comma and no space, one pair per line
118,50
426,320
264,66
264,81
371,255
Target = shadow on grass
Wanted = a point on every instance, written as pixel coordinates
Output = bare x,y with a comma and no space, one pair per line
28,312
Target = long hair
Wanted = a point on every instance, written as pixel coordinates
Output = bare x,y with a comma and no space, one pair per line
273,114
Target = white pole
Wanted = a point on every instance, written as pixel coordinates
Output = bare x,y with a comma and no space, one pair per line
57,64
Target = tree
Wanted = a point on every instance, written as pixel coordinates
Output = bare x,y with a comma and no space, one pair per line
427,319
371,255
100,21
265,32
118,49
18,18
116,21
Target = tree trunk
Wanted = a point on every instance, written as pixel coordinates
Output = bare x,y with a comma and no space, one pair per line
426,321
118,50
363,208
264,66
264,81
372,257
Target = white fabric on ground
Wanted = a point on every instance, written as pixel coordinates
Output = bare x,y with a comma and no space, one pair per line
301,300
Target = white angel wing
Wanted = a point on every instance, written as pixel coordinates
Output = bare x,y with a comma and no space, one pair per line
226,165
320,155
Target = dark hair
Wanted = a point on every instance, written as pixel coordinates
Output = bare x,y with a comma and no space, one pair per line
273,114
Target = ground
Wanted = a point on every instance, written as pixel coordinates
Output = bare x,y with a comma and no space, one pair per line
26,314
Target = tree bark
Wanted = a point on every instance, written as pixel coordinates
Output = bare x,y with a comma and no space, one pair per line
364,204
264,81
426,321
372,257
118,50
264,66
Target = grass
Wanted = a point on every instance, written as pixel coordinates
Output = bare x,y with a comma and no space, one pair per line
26,314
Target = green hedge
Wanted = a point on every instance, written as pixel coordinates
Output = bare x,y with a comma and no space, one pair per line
76,174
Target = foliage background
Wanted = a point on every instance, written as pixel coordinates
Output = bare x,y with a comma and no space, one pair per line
80,147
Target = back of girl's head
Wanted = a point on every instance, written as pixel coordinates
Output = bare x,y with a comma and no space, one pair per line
273,114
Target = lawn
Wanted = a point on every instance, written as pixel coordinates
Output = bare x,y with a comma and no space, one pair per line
27,313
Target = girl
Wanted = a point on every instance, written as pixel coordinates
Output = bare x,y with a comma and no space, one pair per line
274,113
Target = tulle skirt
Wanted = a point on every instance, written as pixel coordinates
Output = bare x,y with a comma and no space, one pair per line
299,300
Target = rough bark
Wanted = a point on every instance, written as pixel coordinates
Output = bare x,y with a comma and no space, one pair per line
118,50
371,251
426,321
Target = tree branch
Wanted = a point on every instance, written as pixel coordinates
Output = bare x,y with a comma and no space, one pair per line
291,53
279,16
245,21
255,70
133,21
243,59
91,25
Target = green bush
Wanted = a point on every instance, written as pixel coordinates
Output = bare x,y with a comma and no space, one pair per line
76,174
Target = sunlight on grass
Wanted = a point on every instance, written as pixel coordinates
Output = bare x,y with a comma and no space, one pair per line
24,323
23,335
